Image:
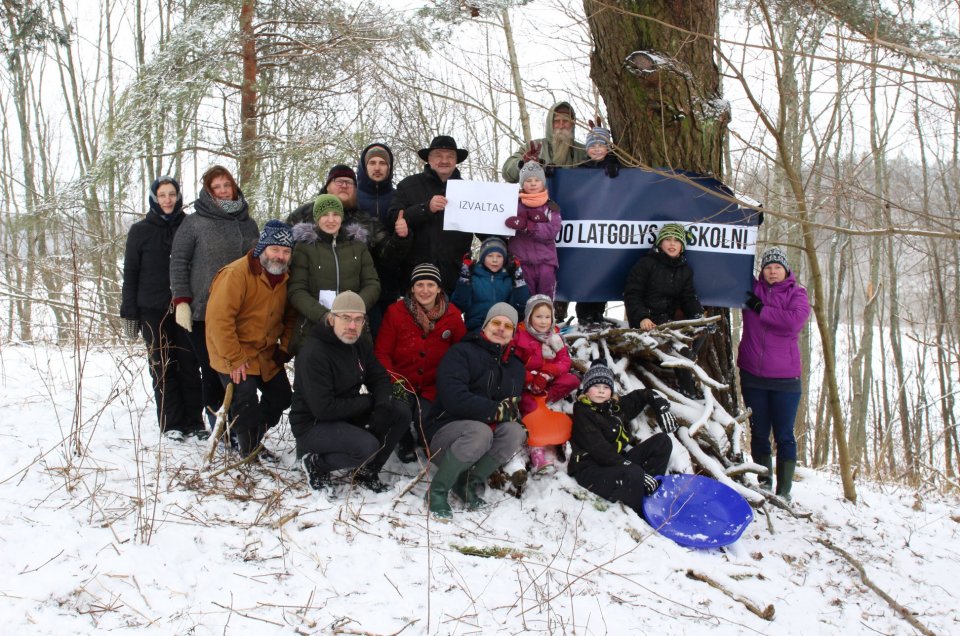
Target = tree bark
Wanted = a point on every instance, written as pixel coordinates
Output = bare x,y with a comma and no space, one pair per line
248,95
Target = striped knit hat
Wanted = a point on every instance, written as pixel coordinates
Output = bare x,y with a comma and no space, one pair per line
425,271
674,231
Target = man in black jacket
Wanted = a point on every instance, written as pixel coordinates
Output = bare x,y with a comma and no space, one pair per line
342,415
420,198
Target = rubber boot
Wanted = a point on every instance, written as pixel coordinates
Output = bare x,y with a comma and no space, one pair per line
448,470
474,479
766,481
785,470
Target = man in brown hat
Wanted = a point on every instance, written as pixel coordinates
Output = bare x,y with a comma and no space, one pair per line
420,202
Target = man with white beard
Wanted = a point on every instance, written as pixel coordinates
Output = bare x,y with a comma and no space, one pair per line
557,149
249,325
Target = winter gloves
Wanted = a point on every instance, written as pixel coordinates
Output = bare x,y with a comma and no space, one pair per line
537,382
518,222
665,419
753,302
398,391
612,169
650,484
508,410
533,152
131,328
184,316
465,271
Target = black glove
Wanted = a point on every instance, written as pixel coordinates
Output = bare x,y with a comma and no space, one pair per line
753,302
131,328
507,411
281,357
650,484
379,421
667,422
612,169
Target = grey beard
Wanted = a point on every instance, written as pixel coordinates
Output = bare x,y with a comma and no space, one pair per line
273,266
562,143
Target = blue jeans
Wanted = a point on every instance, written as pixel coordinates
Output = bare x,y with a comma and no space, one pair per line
772,411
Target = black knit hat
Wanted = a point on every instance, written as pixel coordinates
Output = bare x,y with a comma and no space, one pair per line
425,271
340,170
443,142
598,373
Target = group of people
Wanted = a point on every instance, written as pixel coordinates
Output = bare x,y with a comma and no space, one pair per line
400,339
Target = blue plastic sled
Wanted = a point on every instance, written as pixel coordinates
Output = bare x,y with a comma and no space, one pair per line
697,511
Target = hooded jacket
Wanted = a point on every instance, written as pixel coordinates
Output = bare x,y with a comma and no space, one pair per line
485,290
601,432
146,260
657,286
770,342
207,240
578,154
374,197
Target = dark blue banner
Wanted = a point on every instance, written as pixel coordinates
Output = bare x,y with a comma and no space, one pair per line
608,224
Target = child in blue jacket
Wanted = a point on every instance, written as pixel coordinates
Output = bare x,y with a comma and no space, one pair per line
494,278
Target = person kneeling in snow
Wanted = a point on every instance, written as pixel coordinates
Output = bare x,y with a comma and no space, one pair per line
607,459
342,414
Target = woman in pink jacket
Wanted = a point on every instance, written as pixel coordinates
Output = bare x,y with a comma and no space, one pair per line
769,361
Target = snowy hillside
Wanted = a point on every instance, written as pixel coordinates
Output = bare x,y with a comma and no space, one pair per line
134,535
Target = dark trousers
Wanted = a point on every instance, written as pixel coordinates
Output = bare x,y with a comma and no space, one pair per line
339,445
212,386
774,411
252,417
174,371
624,483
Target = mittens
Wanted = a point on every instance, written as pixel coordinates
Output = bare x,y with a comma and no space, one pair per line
131,328
753,302
184,316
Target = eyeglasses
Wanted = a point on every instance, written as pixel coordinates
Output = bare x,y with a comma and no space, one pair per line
506,324
351,320
343,182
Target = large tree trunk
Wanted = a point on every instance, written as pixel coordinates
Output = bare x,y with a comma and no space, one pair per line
248,95
661,87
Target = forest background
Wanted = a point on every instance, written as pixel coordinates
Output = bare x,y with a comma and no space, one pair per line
842,118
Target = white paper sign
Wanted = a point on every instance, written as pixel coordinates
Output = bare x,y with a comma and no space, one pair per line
479,206
326,297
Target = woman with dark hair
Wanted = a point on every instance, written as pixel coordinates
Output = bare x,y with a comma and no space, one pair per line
145,310
218,233
769,361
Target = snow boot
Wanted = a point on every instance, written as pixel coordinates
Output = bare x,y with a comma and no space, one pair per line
785,470
766,481
474,479
369,477
448,470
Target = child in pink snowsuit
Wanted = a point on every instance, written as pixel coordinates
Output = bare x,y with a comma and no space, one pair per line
537,223
544,355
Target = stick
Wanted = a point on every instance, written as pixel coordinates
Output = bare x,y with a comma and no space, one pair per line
221,425
765,613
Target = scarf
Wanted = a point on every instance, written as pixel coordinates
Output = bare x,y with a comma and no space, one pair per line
426,320
231,206
550,342
534,200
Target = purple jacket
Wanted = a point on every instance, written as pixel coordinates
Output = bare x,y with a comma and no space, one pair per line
537,244
769,345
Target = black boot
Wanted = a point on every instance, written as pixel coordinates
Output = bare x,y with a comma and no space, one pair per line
369,477
766,481
687,384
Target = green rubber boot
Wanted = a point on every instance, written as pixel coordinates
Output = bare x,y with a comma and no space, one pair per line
448,470
785,470
473,479
766,481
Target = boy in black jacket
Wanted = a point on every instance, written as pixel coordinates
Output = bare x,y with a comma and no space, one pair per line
607,459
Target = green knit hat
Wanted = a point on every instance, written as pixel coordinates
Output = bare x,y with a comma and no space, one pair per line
326,203
674,231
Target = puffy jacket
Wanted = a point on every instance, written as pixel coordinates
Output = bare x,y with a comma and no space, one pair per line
577,155
146,264
485,290
473,378
408,353
657,287
247,318
537,243
328,378
374,197
207,240
530,352
770,342
322,261
431,243
601,431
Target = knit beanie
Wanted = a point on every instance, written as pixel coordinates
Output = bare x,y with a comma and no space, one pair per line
348,302
340,170
535,301
598,373
491,245
501,309
674,231
377,151
425,271
531,169
598,135
774,255
274,233
326,203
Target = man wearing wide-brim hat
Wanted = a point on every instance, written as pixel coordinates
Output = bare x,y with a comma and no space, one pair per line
420,202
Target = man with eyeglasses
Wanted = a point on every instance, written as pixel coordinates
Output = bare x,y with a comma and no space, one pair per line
343,417
474,424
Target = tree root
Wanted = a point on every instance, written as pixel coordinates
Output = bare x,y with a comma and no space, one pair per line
767,613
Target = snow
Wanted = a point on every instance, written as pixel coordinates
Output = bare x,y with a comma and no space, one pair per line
134,534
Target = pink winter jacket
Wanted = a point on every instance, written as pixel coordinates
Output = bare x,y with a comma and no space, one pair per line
530,351
769,345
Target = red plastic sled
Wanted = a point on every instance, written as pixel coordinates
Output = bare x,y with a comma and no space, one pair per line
545,426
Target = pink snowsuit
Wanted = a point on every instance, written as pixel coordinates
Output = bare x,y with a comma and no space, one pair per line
530,351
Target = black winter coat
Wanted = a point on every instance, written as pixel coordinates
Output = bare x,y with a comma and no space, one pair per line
601,432
327,380
474,376
657,286
431,244
146,264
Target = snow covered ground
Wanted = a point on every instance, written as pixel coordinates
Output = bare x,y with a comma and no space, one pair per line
134,534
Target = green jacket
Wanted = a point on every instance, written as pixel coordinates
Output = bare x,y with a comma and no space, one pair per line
324,262
576,156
